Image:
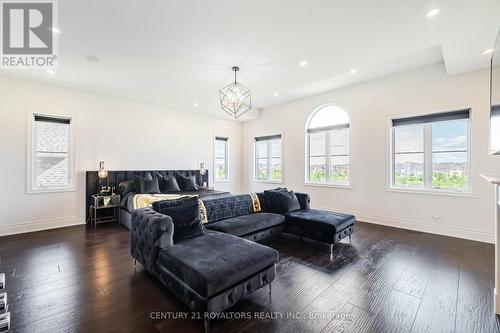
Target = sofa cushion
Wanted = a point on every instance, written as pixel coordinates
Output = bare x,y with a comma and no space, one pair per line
282,201
185,214
320,220
304,200
215,261
247,224
277,189
222,208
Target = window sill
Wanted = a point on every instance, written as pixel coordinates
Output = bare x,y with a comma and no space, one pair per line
222,181
347,187
495,152
268,181
433,192
48,191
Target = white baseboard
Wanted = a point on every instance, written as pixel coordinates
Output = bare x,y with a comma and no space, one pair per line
23,227
432,228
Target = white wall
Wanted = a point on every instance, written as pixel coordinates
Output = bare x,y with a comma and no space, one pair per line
130,135
370,106
125,134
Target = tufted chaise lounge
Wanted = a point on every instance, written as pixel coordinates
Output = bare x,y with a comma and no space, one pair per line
209,273
318,225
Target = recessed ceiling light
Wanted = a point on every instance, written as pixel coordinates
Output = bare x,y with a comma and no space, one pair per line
303,63
353,71
55,30
432,12
196,105
90,57
488,51
49,71
276,94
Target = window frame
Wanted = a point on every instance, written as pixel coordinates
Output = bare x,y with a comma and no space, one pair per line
269,160
328,155
226,159
427,187
32,188
494,114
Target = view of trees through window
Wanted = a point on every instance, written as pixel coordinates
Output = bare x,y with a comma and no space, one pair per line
447,153
450,154
409,155
221,159
268,159
495,129
328,137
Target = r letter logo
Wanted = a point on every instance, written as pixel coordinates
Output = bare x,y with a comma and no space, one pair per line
27,34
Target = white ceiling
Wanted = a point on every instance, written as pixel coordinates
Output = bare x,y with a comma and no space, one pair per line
176,53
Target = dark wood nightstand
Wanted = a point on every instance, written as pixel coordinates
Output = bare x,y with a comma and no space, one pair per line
104,208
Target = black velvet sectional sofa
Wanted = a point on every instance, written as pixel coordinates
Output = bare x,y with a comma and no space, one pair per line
205,251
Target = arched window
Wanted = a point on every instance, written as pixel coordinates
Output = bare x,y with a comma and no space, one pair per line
328,146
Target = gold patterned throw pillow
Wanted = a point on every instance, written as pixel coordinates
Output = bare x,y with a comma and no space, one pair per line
255,202
203,212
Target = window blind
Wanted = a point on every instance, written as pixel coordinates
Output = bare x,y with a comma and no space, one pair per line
327,128
495,110
268,137
445,116
49,119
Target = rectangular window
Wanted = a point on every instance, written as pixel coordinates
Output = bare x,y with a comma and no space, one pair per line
221,160
51,155
268,158
431,152
495,129
329,155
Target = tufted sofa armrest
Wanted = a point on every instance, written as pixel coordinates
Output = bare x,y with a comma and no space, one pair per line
304,200
150,232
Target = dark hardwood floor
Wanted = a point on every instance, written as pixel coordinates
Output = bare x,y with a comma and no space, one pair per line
388,280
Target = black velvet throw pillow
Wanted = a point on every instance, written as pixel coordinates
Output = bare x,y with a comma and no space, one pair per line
282,201
185,214
278,189
265,200
188,183
168,184
146,185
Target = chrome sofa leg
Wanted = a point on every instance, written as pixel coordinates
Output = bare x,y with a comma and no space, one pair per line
135,262
331,248
206,324
350,238
270,290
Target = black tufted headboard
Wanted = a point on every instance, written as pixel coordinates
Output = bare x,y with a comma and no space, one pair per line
115,177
